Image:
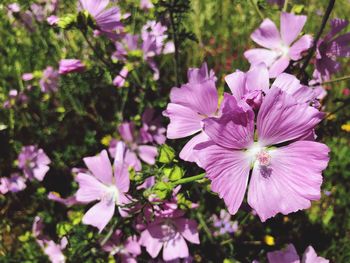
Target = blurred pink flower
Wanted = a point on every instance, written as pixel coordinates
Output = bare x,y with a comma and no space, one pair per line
70,65
34,162
49,81
15,183
152,130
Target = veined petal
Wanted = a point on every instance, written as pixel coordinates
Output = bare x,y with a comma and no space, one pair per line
234,129
187,153
153,244
100,166
291,26
261,55
94,6
183,121
90,188
99,215
267,35
281,118
303,44
228,171
258,78
175,248
289,254
291,181
188,229
148,153
236,83
278,66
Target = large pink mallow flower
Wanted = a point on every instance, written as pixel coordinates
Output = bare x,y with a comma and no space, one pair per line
70,65
279,49
49,81
136,150
34,162
170,233
106,184
50,248
189,106
286,170
107,20
127,250
290,255
332,46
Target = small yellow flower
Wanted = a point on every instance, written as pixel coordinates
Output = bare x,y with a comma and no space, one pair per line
269,240
346,127
106,140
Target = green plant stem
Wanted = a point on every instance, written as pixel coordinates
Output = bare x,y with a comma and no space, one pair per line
205,227
314,45
109,234
332,81
285,6
257,9
189,179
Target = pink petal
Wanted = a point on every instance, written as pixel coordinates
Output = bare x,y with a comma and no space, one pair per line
236,83
94,6
291,26
303,44
148,153
261,55
99,215
188,229
233,129
267,35
175,248
100,166
281,118
310,256
121,172
278,66
126,131
183,121
289,254
291,181
153,245
90,188
40,172
187,153
228,170
258,78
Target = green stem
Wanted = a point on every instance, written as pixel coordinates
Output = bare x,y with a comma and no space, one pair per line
205,227
285,6
109,234
257,9
189,179
332,81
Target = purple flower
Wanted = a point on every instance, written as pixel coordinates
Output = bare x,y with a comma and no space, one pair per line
170,233
27,76
127,250
70,65
69,201
189,106
14,184
107,20
284,179
152,130
14,8
106,184
279,49
146,4
50,248
290,255
15,98
331,47
33,162
135,149
223,224
52,20
49,80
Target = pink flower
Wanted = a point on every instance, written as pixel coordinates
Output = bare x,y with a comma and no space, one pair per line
279,49
34,162
170,233
136,150
52,20
14,184
189,106
106,184
223,224
331,47
70,65
107,20
152,130
146,4
284,179
27,76
49,80
119,80
127,250
50,248
290,255
69,201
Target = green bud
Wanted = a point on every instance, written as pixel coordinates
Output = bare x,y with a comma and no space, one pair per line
63,228
166,154
162,190
173,173
67,22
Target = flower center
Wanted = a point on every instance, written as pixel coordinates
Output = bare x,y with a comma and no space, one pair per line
283,50
111,194
260,154
263,158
